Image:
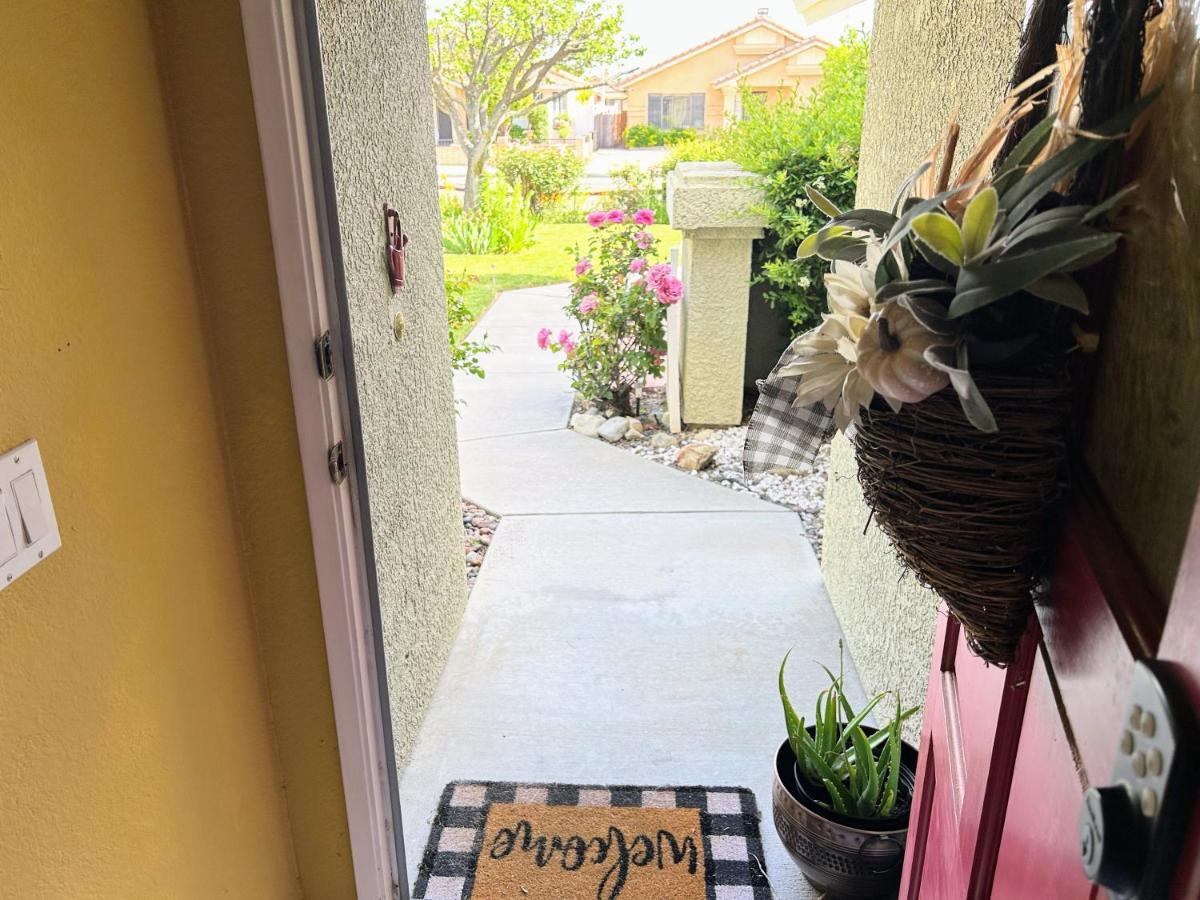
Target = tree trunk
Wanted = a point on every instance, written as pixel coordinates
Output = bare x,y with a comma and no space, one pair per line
476,158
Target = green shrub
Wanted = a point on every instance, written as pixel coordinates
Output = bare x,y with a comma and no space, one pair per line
464,354
712,147
562,126
542,175
502,223
539,123
567,209
638,188
516,132
643,136
797,285
678,136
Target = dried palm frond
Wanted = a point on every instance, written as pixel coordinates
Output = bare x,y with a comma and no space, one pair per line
1020,101
1157,53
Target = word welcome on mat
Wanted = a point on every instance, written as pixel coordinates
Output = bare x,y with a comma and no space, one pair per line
505,841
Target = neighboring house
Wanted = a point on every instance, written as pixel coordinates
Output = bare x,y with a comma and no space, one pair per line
702,87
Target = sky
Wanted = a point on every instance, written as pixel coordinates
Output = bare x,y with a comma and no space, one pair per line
667,27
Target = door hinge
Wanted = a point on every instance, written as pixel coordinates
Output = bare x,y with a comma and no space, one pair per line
337,463
324,350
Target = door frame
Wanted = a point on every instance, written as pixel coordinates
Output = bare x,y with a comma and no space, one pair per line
285,76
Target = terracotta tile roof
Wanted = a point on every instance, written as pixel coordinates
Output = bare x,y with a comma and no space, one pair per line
712,42
764,61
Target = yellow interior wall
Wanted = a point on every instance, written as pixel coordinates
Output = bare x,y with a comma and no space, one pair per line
136,750
206,83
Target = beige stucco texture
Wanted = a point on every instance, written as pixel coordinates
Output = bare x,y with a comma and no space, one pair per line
928,57
713,205
381,119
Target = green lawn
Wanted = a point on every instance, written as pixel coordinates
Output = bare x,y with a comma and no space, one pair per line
546,262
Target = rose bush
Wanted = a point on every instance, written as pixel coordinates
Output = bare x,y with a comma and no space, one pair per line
619,302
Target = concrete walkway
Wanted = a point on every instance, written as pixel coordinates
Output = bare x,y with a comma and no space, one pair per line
629,620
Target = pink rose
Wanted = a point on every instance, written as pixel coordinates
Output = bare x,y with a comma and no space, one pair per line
597,217
659,356
644,217
616,215
670,290
636,265
564,337
544,338
568,347
588,304
657,273
583,266
643,239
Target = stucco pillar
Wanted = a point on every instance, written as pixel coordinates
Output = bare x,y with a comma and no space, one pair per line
715,205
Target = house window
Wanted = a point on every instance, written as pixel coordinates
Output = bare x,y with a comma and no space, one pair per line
676,111
445,131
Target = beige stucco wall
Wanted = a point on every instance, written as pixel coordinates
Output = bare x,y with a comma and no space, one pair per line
381,112
697,73
927,57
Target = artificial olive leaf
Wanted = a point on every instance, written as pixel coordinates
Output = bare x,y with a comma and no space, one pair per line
1062,289
940,232
811,245
980,285
935,259
917,286
978,220
851,249
1119,199
987,352
1025,151
904,224
955,365
873,220
1048,222
929,312
1027,192
808,246
902,192
821,202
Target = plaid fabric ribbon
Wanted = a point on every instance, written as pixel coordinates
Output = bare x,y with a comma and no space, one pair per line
781,435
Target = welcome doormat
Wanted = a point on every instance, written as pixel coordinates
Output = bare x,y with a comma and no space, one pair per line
505,841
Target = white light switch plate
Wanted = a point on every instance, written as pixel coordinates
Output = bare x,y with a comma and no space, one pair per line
28,528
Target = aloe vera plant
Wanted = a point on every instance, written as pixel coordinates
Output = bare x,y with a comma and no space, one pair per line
860,772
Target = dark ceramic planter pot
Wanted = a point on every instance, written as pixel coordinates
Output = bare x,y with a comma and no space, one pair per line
842,856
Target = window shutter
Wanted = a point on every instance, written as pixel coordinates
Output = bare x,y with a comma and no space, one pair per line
654,110
698,111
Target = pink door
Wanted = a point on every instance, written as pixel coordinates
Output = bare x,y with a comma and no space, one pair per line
1007,755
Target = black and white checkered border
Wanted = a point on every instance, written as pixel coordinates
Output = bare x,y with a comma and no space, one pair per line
733,853
782,435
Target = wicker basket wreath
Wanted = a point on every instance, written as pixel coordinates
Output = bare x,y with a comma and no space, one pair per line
968,511
951,320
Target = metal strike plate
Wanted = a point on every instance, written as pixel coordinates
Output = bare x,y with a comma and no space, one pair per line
1131,831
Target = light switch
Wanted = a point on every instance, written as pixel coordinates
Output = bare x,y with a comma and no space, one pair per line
8,542
29,508
28,527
